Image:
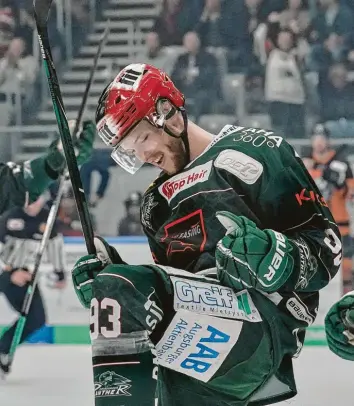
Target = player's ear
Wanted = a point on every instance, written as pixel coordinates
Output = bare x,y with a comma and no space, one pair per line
175,123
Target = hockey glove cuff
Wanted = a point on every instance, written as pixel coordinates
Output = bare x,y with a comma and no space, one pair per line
339,325
86,269
248,257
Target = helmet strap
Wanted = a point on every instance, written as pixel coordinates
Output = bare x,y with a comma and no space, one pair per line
184,134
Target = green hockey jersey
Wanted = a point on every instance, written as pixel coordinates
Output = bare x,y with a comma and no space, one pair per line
253,173
21,184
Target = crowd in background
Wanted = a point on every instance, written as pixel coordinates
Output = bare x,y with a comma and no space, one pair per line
297,58
20,63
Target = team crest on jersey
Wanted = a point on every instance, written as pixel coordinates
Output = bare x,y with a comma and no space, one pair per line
183,181
110,383
147,207
185,236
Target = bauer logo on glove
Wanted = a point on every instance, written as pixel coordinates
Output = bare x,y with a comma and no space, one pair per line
252,257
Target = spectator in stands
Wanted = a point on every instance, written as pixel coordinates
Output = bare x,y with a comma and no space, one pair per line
7,28
156,55
322,56
245,20
17,67
130,225
296,17
332,17
284,88
100,162
177,17
337,94
349,51
80,23
196,74
213,24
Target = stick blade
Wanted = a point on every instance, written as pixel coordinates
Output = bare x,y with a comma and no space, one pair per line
41,11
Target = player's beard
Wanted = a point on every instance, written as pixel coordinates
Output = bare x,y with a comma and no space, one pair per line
177,155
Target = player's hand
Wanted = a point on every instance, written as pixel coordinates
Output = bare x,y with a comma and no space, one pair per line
252,257
20,277
339,325
89,266
83,145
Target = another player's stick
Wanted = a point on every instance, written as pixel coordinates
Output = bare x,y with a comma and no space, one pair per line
32,286
52,214
41,13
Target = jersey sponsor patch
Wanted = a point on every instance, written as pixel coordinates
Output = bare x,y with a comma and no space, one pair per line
183,181
15,224
239,164
185,235
196,345
214,300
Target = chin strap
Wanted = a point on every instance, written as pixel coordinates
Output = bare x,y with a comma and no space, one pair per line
183,135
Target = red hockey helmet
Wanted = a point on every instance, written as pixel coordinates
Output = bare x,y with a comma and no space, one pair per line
134,95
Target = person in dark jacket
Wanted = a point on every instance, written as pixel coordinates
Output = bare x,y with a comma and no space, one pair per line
21,231
130,225
196,73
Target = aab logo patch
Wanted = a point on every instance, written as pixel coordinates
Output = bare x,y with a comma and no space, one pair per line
186,235
239,164
111,384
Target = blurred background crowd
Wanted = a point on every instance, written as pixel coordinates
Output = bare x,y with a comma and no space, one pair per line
284,65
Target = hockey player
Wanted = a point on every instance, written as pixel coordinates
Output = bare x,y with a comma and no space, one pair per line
251,242
334,178
21,231
22,184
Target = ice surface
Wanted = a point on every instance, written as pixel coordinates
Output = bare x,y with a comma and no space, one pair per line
56,375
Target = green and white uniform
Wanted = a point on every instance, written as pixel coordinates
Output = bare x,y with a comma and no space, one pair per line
22,184
228,341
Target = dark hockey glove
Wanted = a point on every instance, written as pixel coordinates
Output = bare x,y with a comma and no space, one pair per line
248,257
339,325
87,267
83,145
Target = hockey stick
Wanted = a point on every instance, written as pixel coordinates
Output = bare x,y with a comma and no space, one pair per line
32,286
41,13
52,214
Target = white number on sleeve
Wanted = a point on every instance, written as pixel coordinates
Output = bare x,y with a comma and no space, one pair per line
113,328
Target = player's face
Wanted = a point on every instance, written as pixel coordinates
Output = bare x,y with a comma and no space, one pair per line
152,145
319,144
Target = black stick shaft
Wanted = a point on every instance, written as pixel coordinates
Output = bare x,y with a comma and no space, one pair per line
40,7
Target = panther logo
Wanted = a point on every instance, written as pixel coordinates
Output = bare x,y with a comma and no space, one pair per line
111,379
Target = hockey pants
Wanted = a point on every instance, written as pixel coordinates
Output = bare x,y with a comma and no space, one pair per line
35,319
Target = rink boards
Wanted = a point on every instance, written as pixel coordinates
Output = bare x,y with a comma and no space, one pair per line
68,321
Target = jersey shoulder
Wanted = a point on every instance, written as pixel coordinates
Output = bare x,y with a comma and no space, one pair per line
241,147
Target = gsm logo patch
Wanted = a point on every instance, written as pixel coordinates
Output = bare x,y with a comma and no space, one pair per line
185,180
